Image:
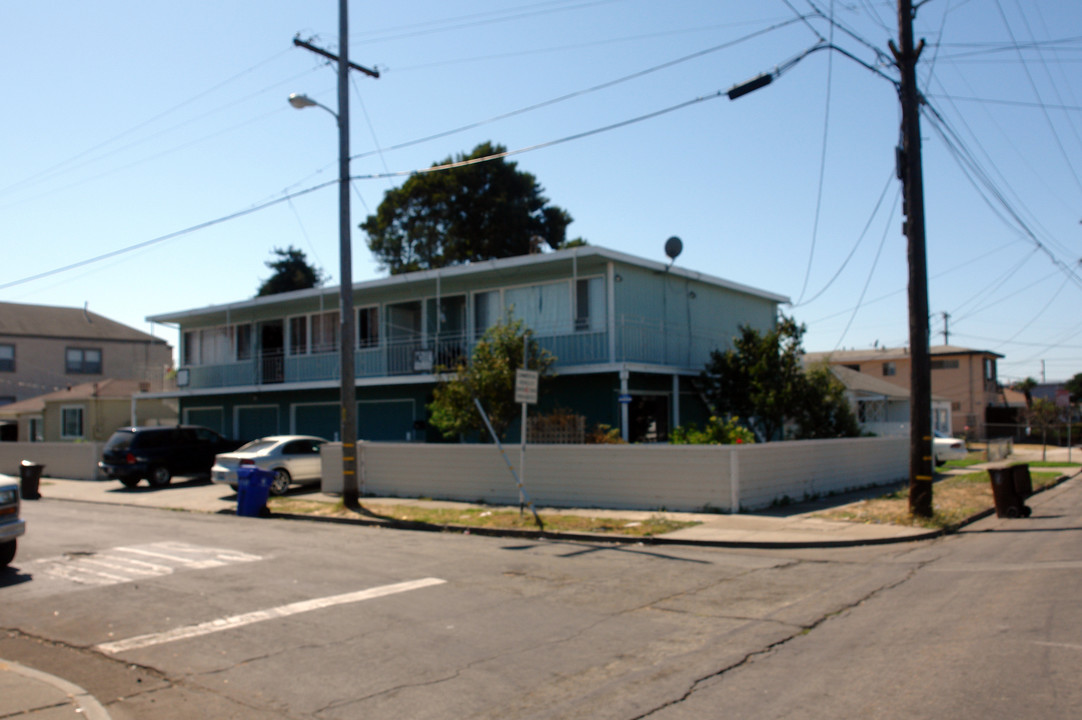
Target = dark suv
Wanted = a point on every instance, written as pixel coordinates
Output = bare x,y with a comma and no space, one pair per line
159,453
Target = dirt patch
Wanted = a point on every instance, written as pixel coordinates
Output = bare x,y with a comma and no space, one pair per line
954,500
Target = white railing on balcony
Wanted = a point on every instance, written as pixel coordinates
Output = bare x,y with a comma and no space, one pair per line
637,340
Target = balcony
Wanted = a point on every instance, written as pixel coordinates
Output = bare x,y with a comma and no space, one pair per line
637,341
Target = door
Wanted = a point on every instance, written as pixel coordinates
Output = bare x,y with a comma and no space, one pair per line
272,351
648,418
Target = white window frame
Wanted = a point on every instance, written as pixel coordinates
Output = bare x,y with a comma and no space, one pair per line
64,409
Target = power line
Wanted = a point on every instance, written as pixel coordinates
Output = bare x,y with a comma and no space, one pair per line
582,92
822,163
163,238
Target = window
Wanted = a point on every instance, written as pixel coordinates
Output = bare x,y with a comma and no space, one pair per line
486,310
85,361
404,321
889,369
37,429
242,335
325,332
545,309
71,422
589,304
368,327
298,335
990,369
7,358
944,364
217,345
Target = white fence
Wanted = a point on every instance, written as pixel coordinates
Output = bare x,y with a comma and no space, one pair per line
74,461
725,478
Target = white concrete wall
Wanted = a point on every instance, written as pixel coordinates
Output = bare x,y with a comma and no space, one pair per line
72,461
649,477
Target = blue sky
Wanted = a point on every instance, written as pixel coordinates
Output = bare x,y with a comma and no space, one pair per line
129,121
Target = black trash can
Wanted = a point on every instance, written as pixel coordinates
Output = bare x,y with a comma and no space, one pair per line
1023,482
30,479
1008,500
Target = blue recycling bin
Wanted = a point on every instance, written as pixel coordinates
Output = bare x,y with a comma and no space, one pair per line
253,489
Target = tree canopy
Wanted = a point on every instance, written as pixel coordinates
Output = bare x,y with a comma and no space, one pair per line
490,376
1074,386
291,272
479,211
763,383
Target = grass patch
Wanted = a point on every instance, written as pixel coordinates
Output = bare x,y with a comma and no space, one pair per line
973,458
486,518
954,499
1050,463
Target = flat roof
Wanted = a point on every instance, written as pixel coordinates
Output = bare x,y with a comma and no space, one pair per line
484,266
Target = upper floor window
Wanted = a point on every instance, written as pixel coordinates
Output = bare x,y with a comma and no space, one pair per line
316,333
7,358
944,364
217,345
990,369
85,361
889,368
589,304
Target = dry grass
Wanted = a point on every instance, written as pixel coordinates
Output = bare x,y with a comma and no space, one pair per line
954,499
480,517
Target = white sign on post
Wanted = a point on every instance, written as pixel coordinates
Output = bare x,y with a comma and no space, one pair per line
526,386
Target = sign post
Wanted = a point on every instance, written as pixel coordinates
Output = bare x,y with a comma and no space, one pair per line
525,393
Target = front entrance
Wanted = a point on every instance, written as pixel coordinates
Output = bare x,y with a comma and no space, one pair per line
648,419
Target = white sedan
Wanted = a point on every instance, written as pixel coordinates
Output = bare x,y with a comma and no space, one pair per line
947,448
292,458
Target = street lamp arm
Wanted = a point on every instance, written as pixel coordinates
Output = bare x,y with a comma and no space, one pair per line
301,101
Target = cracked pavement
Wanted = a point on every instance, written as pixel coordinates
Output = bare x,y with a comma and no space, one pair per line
519,629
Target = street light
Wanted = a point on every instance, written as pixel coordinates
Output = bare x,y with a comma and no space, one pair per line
348,398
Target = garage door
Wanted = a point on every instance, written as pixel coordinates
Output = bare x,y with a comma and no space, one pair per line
386,420
257,421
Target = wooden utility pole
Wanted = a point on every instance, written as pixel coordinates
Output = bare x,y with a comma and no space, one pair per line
910,173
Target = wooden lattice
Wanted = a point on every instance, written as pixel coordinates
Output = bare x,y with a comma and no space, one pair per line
558,428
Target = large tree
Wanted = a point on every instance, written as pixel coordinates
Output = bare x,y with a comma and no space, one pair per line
762,381
291,272
490,377
1074,386
476,211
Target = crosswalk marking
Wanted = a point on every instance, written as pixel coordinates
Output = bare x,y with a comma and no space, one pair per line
236,621
127,563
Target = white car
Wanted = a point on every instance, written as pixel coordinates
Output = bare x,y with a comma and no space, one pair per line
292,458
946,448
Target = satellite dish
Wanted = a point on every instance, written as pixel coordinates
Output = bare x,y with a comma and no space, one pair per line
673,247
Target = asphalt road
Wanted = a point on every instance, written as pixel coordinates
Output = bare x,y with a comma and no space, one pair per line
174,615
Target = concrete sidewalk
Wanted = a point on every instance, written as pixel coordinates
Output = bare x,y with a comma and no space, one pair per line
29,692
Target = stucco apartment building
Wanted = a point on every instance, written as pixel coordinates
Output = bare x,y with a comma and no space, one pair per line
44,349
966,377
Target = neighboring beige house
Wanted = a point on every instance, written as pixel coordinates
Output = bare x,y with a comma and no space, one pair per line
965,377
882,408
45,348
86,413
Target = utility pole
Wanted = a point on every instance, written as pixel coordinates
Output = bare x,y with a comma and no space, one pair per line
946,328
346,315
910,173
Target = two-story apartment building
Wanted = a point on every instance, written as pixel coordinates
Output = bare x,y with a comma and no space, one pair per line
44,349
630,337
965,377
